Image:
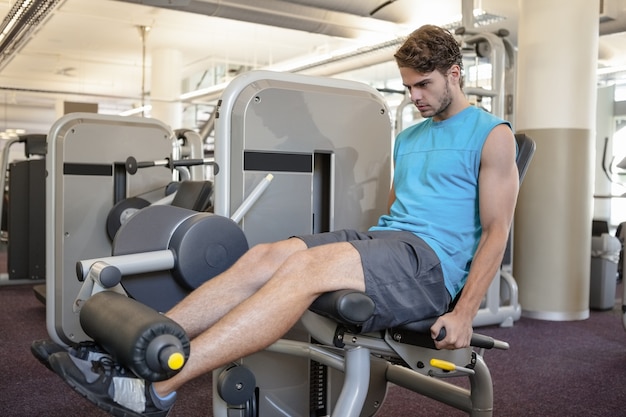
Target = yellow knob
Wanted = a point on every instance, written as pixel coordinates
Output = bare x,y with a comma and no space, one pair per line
445,365
176,361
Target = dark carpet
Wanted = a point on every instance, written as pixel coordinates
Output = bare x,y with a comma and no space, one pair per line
560,369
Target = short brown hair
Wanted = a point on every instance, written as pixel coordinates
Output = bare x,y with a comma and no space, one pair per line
429,48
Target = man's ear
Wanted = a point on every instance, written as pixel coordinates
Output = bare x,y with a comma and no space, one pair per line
455,73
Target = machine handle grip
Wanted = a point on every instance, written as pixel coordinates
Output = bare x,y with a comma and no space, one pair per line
482,341
478,340
441,335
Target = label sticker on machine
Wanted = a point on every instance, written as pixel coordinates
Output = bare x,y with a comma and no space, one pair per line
87,169
277,162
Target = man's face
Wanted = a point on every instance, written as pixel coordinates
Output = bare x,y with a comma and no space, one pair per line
429,92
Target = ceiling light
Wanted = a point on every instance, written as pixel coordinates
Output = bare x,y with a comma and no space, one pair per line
11,133
20,23
136,110
610,70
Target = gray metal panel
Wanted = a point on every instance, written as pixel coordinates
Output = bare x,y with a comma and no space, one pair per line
291,217
77,205
281,112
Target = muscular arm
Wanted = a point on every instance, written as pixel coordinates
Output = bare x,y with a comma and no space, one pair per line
498,187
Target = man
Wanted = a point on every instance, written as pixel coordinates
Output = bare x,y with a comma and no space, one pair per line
450,210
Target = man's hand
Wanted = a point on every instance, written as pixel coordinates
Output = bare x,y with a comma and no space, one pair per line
458,330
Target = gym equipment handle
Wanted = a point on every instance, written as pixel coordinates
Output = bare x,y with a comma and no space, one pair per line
478,340
132,165
133,263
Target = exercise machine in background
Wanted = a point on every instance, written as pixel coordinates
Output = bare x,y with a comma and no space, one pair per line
23,210
100,171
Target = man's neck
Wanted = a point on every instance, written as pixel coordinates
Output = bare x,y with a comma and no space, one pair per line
458,104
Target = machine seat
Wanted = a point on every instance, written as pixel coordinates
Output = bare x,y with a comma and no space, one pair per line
351,308
193,195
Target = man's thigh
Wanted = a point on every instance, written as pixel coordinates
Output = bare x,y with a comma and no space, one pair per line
402,275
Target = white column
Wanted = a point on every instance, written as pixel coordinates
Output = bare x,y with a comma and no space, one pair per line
165,87
556,106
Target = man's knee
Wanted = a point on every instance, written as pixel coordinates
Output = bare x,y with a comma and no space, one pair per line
275,252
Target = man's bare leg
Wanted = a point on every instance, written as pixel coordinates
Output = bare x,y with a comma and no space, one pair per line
265,316
216,297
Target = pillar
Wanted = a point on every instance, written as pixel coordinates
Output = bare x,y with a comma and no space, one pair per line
556,106
165,87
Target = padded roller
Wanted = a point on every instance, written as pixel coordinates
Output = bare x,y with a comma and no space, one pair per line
204,245
349,307
151,345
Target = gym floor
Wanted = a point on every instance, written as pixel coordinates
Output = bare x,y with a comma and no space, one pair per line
552,369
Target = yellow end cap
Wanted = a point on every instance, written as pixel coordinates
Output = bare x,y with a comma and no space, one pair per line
445,365
176,361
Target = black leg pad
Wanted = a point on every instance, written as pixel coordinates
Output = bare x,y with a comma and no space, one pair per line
349,307
148,343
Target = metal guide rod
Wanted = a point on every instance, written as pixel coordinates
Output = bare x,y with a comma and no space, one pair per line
252,198
134,263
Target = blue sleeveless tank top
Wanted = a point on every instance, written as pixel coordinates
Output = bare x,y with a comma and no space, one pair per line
436,186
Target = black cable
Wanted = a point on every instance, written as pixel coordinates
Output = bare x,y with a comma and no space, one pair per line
382,6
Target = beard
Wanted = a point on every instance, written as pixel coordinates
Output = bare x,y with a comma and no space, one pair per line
442,103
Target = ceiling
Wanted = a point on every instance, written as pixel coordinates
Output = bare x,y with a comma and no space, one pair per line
92,50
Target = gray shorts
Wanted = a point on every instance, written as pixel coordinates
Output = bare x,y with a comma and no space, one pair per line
403,275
